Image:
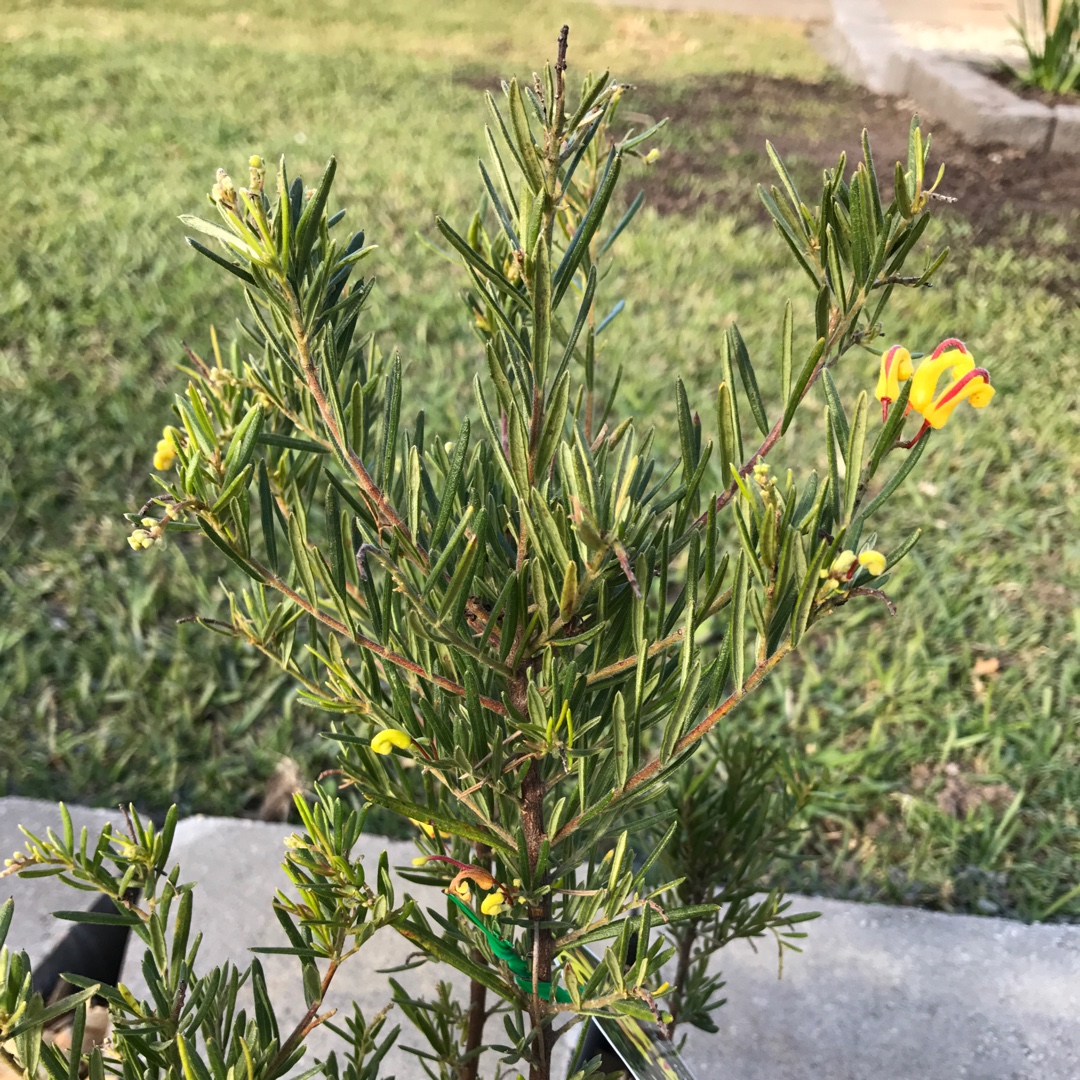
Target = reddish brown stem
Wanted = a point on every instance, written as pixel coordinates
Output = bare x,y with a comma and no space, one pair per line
699,731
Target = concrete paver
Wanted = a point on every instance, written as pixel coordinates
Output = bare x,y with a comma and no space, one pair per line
882,993
795,10
33,928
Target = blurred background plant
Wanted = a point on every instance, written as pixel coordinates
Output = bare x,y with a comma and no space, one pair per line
963,703
1051,43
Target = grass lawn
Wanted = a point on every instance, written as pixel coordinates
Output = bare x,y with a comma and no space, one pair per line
947,735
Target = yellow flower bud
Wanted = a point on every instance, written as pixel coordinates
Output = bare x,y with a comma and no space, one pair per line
165,452
420,860
494,903
141,539
842,564
651,156
385,741
424,827
462,891
874,561
827,589
895,369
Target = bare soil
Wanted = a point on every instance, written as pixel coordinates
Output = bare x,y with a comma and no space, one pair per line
810,123
713,156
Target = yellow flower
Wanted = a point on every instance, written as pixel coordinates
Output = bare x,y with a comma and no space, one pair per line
385,741
968,382
842,564
461,890
895,369
494,903
420,860
425,828
874,561
165,453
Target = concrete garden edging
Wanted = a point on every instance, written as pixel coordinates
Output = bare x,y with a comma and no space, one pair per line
880,993
863,44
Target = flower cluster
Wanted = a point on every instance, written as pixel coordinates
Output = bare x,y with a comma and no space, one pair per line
844,567
495,903
966,383
147,536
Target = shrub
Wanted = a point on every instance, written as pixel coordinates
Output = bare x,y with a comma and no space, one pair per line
530,634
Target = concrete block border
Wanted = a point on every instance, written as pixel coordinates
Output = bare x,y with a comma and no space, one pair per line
878,992
862,43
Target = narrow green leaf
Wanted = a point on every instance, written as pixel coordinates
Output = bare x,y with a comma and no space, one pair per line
785,176
807,371
554,421
474,260
785,361
676,723
528,158
808,593
855,448
625,220
232,491
225,236
590,222
686,425
213,256
737,622
836,410
266,509
391,419
243,443
541,295
895,480
903,196
333,533
307,228
500,210
785,230
886,439
453,477
226,548
737,347
301,556
290,442
621,740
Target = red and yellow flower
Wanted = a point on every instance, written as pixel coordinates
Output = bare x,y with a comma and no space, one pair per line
967,383
895,369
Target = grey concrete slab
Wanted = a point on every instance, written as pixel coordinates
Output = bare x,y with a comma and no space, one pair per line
33,927
1066,137
861,42
237,869
879,994
977,107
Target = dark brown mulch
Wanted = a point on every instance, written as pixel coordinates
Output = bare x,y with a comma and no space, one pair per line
810,123
713,155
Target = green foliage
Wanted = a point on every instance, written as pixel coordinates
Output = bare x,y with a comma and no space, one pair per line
526,632
192,1026
1052,48
106,698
